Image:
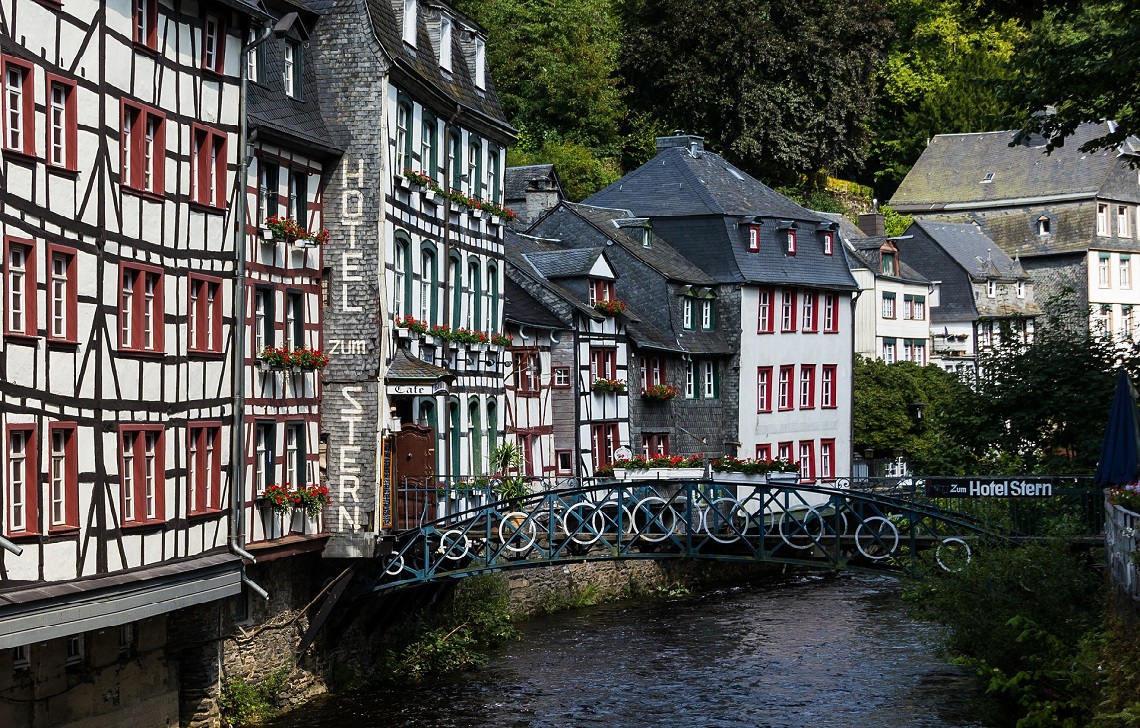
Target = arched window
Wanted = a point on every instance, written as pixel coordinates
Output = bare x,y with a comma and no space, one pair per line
455,280
455,435
492,425
475,436
403,137
492,300
494,193
401,275
474,295
475,169
455,151
429,165
429,285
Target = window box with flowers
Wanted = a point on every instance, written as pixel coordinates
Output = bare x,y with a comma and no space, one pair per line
1126,497
289,230
609,386
610,308
272,358
308,503
307,359
430,189
660,392
663,467
275,503
502,340
408,324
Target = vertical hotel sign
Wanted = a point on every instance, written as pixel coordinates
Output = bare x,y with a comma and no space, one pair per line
979,487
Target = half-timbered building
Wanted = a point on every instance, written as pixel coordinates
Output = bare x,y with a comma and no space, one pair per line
119,157
416,230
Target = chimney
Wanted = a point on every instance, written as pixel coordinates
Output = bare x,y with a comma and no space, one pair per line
685,141
873,224
541,195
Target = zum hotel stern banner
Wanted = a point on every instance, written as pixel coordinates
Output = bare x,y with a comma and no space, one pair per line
974,487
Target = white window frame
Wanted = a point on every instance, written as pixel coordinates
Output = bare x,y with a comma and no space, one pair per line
17,480
708,370
409,22
445,42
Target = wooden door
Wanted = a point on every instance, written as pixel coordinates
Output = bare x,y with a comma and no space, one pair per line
415,476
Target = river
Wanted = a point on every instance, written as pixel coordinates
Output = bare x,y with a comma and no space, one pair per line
801,651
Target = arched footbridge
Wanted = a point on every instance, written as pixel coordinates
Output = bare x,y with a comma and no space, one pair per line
451,532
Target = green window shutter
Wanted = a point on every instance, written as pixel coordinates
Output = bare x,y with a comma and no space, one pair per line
716,380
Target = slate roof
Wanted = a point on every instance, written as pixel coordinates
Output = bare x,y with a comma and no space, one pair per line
555,296
275,116
952,167
421,66
565,263
405,367
516,180
676,183
973,250
522,308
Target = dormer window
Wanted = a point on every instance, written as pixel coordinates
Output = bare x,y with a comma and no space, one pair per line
791,242
1044,226
293,69
753,238
646,238
991,288
888,264
445,42
828,243
409,28
480,63
601,290
989,177
1021,289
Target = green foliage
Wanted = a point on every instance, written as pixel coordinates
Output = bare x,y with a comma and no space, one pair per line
780,87
814,198
252,703
895,222
1027,619
1080,65
580,169
451,639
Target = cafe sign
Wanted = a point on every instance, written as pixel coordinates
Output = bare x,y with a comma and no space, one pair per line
420,390
975,487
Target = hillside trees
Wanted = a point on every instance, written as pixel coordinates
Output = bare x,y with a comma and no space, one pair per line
780,87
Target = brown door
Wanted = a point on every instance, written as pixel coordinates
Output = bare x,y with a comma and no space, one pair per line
415,475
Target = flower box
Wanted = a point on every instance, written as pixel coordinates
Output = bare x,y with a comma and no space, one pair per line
610,308
303,243
304,523
659,473
266,234
430,196
496,220
428,340
403,333
266,366
404,182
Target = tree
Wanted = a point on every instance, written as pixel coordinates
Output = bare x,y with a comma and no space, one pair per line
1081,64
782,88
581,172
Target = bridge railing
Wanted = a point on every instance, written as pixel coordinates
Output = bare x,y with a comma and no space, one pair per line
1122,532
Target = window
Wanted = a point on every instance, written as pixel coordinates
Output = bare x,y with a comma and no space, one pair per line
146,23
888,305
143,149
429,286
480,63
254,61
652,371
409,22
654,445
991,288
142,473
828,243
561,376
455,153
785,391
23,472
888,265
299,196
268,176
710,379
474,294
61,123
601,290
906,352
807,386
988,178
403,138
213,43
603,363
265,455
914,307
21,658
687,306
528,373
831,314
126,639
1044,226
402,280
1102,220
1126,321
809,312
1102,271
827,459
1122,218
475,169
263,320
1021,289
20,276
428,162
708,318
19,107
294,320
76,647
754,238
605,439
827,398
296,468
807,461
784,451
690,380
764,389
204,468
788,311
564,460
763,452
918,352
791,244
494,188
294,70
889,351
445,42
208,167
764,319
1124,273
141,308
63,477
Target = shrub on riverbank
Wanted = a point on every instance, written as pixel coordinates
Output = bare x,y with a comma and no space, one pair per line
1029,620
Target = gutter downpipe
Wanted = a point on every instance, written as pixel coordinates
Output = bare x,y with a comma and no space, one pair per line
237,453
9,546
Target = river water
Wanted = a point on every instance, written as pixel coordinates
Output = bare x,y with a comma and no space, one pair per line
802,651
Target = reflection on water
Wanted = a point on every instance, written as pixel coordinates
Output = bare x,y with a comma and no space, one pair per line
817,651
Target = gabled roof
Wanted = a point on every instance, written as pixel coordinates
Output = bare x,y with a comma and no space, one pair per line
520,307
676,183
405,367
516,180
565,263
958,171
970,248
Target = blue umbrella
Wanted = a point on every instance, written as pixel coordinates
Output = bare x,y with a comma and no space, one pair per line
1120,453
